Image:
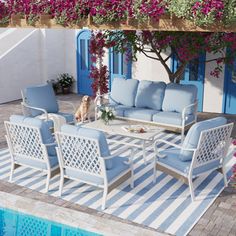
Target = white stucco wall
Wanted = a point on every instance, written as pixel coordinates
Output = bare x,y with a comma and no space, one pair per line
213,88
149,69
20,67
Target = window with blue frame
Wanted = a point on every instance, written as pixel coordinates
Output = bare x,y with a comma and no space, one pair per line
194,74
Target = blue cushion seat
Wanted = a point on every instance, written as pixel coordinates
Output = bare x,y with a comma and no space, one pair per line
150,94
42,125
139,113
119,167
69,117
192,138
94,134
178,96
41,96
172,118
171,159
53,161
124,91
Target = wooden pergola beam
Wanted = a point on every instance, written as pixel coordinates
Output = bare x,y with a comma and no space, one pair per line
164,24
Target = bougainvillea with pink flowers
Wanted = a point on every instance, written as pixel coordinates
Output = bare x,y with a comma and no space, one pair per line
99,72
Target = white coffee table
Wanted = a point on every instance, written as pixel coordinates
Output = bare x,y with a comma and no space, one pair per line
116,127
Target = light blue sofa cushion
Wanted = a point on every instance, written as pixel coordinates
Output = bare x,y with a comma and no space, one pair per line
69,117
119,109
139,113
53,161
192,138
172,118
91,133
42,125
119,168
41,96
178,96
150,95
171,160
124,91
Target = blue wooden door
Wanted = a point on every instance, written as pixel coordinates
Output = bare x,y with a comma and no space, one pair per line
229,104
119,66
194,74
84,63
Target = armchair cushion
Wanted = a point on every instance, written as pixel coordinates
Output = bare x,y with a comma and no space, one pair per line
91,133
192,138
41,96
171,160
119,168
178,96
150,94
42,125
124,91
139,113
172,118
69,117
53,162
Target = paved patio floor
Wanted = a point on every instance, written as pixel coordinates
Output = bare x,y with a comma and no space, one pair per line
220,218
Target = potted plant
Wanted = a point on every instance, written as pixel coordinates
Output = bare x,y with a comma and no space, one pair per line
65,81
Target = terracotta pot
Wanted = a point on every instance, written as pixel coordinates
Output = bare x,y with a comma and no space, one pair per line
65,90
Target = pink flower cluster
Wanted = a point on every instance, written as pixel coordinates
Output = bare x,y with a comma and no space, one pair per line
209,6
3,11
153,8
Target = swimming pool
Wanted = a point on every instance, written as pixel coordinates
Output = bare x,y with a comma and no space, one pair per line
13,223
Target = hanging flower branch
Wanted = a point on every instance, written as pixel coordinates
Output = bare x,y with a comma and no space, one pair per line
99,72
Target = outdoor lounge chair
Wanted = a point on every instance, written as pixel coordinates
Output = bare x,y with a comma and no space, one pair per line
38,100
31,144
203,151
84,156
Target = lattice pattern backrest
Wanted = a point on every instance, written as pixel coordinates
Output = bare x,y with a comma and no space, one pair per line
25,140
80,153
212,144
27,226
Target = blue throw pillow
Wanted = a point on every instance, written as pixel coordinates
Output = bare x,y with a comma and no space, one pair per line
42,125
124,91
41,96
150,94
178,96
192,138
91,133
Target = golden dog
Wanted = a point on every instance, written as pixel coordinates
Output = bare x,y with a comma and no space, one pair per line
82,112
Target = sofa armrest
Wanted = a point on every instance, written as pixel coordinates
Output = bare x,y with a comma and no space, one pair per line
36,108
68,103
194,105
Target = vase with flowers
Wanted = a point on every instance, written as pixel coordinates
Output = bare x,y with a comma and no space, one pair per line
107,114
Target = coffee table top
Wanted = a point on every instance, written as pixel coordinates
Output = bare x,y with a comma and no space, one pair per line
117,127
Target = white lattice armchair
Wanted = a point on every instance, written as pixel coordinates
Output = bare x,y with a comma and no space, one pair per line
203,151
31,144
84,156
41,99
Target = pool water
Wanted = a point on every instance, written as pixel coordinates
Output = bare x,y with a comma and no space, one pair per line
18,224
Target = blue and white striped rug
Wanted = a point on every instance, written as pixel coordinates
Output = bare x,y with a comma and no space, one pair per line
165,205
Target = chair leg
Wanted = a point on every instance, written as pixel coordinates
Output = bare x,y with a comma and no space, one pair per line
104,198
182,136
225,176
47,181
191,188
12,171
154,170
61,184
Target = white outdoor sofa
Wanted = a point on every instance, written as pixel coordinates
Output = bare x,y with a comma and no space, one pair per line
203,151
172,106
31,144
84,156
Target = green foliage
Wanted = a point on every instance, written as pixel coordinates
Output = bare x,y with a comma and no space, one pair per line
65,80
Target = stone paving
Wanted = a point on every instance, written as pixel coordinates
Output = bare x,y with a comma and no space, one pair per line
219,219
